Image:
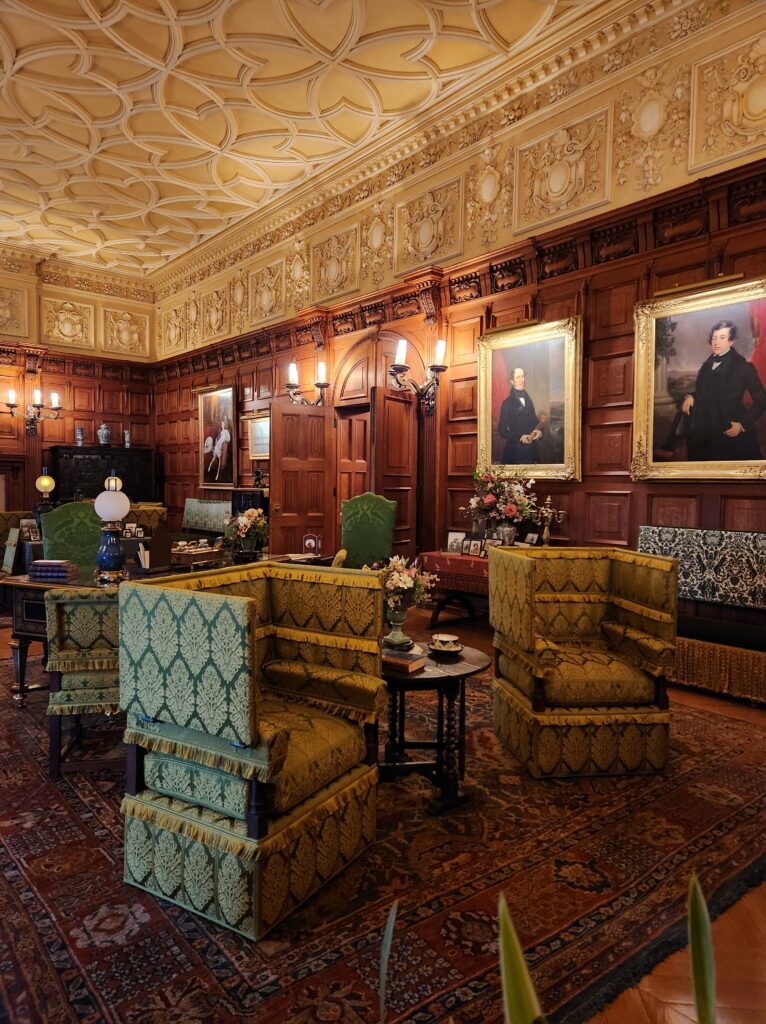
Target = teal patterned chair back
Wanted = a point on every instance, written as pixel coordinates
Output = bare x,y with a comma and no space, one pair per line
72,531
367,529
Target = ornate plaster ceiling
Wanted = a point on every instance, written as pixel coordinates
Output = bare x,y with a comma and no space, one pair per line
133,130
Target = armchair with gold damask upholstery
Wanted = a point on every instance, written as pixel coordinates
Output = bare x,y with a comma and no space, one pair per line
584,639
252,696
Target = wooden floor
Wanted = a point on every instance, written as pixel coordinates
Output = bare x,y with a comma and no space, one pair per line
739,935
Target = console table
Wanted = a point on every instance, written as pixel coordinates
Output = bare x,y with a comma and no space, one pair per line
459,577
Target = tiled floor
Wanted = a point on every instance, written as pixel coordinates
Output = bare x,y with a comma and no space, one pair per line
739,935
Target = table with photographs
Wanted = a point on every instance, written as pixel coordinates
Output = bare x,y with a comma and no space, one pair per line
461,578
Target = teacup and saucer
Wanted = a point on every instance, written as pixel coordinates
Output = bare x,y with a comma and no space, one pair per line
445,644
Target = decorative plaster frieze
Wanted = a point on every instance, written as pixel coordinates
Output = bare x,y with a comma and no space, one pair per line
215,313
377,253
65,275
564,173
729,104
335,262
652,129
239,301
194,319
298,275
68,323
173,333
428,228
126,332
18,261
13,312
489,194
267,292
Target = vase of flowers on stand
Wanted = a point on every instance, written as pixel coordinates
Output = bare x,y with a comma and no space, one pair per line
246,533
501,501
404,585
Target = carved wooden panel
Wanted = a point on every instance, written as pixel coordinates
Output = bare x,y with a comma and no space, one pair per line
610,381
464,335
693,272
83,398
509,316
458,497
674,510
354,381
353,454
748,514
462,453
139,403
611,309
140,434
607,449
463,396
111,401
557,307
607,517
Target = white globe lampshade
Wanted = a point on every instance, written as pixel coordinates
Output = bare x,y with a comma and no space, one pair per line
45,484
112,505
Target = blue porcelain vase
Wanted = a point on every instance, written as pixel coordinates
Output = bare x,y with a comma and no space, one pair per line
110,557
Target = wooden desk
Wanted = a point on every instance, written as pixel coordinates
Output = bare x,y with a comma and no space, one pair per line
447,676
459,577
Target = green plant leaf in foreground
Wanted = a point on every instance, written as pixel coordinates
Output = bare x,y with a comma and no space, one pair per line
519,997
701,948
385,952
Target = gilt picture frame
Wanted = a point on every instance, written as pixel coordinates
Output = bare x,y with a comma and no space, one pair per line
259,435
700,401
217,439
530,400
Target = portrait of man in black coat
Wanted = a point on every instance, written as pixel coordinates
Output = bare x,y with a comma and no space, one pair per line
519,425
722,427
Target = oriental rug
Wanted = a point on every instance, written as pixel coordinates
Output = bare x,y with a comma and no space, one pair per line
594,871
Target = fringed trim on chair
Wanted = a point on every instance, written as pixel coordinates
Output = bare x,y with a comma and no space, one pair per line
245,768
331,707
98,707
641,609
88,661
201,831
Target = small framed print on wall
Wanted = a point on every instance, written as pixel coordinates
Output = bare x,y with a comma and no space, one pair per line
259,436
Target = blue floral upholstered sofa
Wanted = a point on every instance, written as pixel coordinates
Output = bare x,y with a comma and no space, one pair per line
252,695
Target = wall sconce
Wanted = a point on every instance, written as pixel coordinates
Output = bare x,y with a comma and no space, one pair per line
36,410
112,505
426,391
293,387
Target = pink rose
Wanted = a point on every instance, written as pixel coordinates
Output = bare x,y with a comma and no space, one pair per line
490,499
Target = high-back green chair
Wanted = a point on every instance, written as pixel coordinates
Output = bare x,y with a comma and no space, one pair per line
73,532
367,529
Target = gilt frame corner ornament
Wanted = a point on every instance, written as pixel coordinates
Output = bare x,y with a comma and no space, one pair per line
217,439
674,439
550,355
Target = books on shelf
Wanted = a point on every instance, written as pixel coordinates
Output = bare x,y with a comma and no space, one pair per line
404,662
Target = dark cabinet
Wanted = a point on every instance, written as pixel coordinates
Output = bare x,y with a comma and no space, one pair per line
84,469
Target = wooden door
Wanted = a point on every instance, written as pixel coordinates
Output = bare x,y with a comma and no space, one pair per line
394,460
301,477
353,447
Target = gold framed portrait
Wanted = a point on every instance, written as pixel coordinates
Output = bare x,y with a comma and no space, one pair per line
700,403
259,435
530,399
217,438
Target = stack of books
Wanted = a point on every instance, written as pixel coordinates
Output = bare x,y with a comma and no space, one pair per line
53,570
404,663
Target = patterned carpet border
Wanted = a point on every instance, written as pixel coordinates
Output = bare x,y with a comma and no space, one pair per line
595,873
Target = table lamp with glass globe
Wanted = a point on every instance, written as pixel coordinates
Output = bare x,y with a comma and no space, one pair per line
44,484
112,505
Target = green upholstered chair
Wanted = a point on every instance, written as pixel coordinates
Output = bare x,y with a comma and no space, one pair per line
367,529
584,638
252,696
72,531
81,626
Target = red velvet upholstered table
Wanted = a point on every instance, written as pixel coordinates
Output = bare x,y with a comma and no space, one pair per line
459,577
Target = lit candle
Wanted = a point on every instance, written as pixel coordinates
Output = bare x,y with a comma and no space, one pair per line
38,397
11,396
441,351
401,353
322,373
54,399
292,373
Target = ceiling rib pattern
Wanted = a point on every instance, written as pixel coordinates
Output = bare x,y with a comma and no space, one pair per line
132,130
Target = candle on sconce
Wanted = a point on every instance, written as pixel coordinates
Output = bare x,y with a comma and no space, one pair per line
322,373
292,373
11,396
401,353
54,399
441,351
37,397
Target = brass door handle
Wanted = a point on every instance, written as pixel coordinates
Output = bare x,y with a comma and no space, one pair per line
276,509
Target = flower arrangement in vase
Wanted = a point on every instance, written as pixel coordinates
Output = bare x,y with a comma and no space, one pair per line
404,584
501,500
246,532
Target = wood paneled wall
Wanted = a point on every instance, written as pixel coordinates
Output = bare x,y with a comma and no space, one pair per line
91,391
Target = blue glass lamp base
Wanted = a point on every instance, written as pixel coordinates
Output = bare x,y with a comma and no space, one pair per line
110,557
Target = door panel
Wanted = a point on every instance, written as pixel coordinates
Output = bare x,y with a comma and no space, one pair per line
394,460
301,478
353,453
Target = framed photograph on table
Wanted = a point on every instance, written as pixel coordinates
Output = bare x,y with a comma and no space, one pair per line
217,438
474,547
530,400
700,408
467,546
455,542
259,435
